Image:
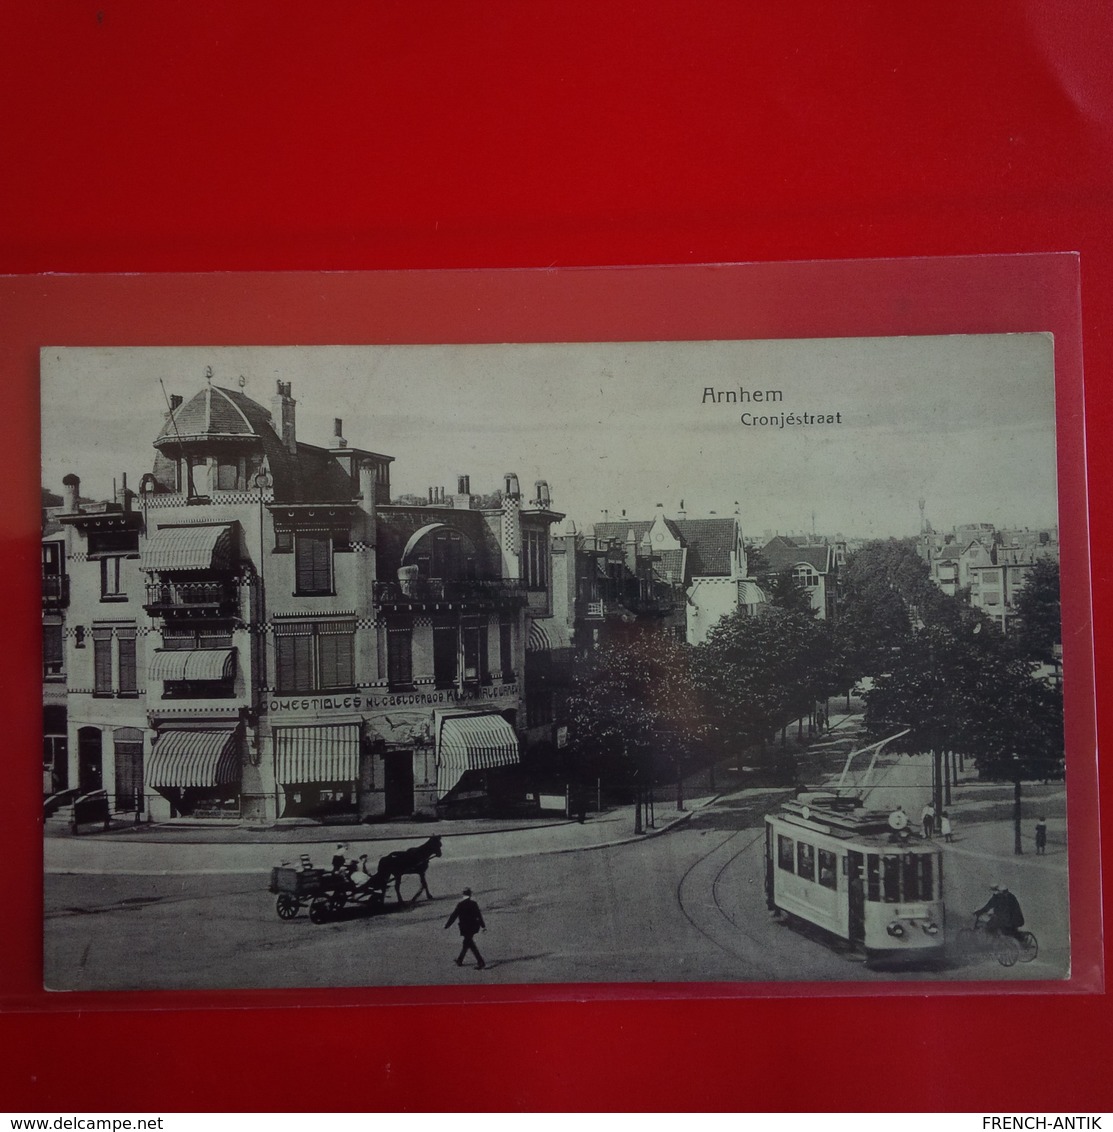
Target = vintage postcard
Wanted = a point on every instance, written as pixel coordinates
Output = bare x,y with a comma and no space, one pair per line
731,662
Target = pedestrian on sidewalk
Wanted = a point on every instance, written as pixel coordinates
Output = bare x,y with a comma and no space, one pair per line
927,816
470,919
1041,836
945,827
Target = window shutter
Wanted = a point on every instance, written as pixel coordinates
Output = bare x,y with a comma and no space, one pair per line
127,660
102,660
399,656
294,657
52,648
313,563
336,654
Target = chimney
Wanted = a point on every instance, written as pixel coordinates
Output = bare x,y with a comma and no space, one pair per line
682,514
541,495
462,500
631,552
70,490
338,433
511,489
282,415
175,401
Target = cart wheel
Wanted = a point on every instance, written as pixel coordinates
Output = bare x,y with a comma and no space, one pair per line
1006,950
319,910
286,907
336,902
1029,947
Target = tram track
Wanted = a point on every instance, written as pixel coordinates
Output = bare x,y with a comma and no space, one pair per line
721,928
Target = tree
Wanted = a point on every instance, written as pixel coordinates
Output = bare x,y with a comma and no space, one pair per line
786,593
1038,611
636,704
759,673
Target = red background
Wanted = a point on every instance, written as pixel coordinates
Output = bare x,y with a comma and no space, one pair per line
177,137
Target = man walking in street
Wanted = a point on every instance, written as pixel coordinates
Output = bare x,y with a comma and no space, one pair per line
927,816
470,919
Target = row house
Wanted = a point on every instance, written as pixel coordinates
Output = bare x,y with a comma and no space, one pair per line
814,567
259,632
695,566
995,584
55,603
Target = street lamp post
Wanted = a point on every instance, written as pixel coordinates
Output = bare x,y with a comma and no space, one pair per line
1018,847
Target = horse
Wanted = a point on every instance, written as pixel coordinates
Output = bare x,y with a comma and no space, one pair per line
403,862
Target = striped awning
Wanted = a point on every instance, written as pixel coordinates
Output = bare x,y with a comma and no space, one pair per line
473,742
194,758
189,548
193,664
750,593
316,754
538,639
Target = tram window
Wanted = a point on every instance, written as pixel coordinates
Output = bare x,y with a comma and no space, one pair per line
890,879
828,869
785,855
926,877
911,877
805,860
873,877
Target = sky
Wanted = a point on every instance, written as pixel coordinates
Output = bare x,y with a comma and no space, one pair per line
964,422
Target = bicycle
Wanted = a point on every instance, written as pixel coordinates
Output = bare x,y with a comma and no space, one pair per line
1007,949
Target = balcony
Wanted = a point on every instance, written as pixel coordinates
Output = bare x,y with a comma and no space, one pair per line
442,591
56,591
210,597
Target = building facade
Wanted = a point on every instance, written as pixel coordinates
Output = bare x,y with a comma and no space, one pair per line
259,633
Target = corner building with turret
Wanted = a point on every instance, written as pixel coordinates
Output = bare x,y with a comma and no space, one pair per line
257,632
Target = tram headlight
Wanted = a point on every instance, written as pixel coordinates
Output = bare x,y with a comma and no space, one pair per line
931,927
896,930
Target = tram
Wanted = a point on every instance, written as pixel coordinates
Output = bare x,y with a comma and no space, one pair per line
851,872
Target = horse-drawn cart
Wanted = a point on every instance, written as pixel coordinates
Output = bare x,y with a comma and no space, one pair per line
326,893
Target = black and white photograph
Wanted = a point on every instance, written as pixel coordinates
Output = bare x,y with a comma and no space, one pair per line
718,662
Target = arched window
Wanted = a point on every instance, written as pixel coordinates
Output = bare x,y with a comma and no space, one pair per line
441,552
806,575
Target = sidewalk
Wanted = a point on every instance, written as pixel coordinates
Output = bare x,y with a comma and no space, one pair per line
153,855
189,847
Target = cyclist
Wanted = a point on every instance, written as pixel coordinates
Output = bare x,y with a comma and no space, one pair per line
1002,912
